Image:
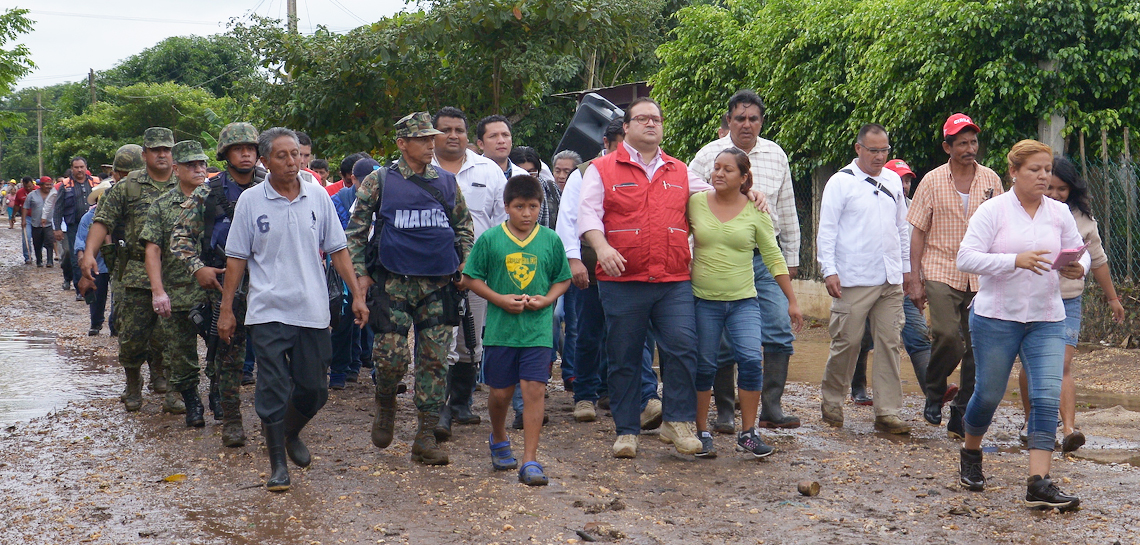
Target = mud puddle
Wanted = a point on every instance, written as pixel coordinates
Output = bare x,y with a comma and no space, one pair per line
37,376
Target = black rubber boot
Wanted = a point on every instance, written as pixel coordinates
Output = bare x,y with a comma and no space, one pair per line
462,385
859,381
294,447
919,362
775,376
274,433
193,408
216,401
384,425
724,395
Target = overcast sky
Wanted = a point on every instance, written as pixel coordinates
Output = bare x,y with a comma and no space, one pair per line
72,36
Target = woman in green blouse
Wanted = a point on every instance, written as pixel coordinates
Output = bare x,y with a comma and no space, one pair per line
727,232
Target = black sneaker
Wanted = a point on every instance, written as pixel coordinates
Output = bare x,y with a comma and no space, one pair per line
1041,493
749,441
970,470
708,449
518,422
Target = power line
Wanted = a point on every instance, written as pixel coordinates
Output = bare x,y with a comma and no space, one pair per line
346,10
123,18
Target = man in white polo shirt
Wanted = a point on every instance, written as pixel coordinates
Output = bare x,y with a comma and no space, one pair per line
280,228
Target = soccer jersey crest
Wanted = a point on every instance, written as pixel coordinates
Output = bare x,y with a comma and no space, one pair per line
521,268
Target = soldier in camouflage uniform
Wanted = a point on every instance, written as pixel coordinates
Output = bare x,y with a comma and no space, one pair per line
125,206
173,291
198,239
423,232
127,158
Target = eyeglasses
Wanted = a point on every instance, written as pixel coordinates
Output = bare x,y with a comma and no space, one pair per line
877,151
647,119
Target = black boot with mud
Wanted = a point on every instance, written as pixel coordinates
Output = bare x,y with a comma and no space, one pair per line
132,397
384,426
774,380
443,429
294,447
274,433
462,384
194,409
425,449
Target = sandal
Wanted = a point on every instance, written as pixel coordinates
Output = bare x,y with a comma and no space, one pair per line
531,474
501,457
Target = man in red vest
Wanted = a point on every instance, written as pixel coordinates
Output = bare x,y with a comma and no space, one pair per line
632,212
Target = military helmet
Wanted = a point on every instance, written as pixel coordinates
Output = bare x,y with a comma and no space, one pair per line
235,133
128,158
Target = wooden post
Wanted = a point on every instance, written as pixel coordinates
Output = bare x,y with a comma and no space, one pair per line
292,11
1084,160
1107,188
1130,195
40,130
91,85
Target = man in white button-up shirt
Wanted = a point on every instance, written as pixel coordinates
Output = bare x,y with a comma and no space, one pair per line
482,184
863,247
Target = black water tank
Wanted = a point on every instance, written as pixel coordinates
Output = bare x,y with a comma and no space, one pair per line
584,135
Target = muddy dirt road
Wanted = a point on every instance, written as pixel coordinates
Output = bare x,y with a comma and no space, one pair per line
87,472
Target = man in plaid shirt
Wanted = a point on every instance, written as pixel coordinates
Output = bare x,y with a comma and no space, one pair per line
942,206
770,174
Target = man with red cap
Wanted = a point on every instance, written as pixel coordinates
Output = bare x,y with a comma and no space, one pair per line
942,206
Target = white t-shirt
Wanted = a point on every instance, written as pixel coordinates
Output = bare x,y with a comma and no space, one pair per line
282,242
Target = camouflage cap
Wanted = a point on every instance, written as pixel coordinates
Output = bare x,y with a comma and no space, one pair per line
158,137
415,125
187,151
128,158
235,133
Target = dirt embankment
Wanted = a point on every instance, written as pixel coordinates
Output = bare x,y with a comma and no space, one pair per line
92,473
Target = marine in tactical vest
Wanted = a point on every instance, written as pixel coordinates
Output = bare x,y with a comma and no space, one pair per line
126,204
199,240
422,232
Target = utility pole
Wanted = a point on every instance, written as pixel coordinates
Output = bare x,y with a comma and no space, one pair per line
40,130
91,84
293,17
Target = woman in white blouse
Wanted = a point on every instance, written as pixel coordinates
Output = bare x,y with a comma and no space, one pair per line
1011,242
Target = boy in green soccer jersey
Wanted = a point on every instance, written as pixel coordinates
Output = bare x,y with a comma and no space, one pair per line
520,267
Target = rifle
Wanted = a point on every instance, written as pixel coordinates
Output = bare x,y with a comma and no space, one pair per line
467,321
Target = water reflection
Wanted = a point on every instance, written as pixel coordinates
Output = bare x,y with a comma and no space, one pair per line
36,377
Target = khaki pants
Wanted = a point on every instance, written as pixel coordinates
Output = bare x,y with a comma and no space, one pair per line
883,305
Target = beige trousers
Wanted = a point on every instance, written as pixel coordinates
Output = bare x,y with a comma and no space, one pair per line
883,305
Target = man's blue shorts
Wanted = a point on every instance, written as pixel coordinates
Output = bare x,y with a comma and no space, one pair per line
504,366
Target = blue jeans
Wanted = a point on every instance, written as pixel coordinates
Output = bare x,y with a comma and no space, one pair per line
915,335
97,309
1072,320
1041,346
250,361
589,357
633,309
740,321
26,242
777,331
567,313
345,347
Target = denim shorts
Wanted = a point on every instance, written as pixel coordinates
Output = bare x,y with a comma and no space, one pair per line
505,366
1072,320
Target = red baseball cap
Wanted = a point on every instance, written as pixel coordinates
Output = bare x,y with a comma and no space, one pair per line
898,166
45,180
955,123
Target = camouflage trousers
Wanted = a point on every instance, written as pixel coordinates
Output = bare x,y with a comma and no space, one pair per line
136,323
225,371
391,355
179,337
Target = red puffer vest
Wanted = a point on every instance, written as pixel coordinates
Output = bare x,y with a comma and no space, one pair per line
645,220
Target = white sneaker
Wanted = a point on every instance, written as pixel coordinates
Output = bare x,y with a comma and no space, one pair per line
651,416
626,446
680,434
584,411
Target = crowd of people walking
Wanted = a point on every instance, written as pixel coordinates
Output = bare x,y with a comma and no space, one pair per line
500,266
